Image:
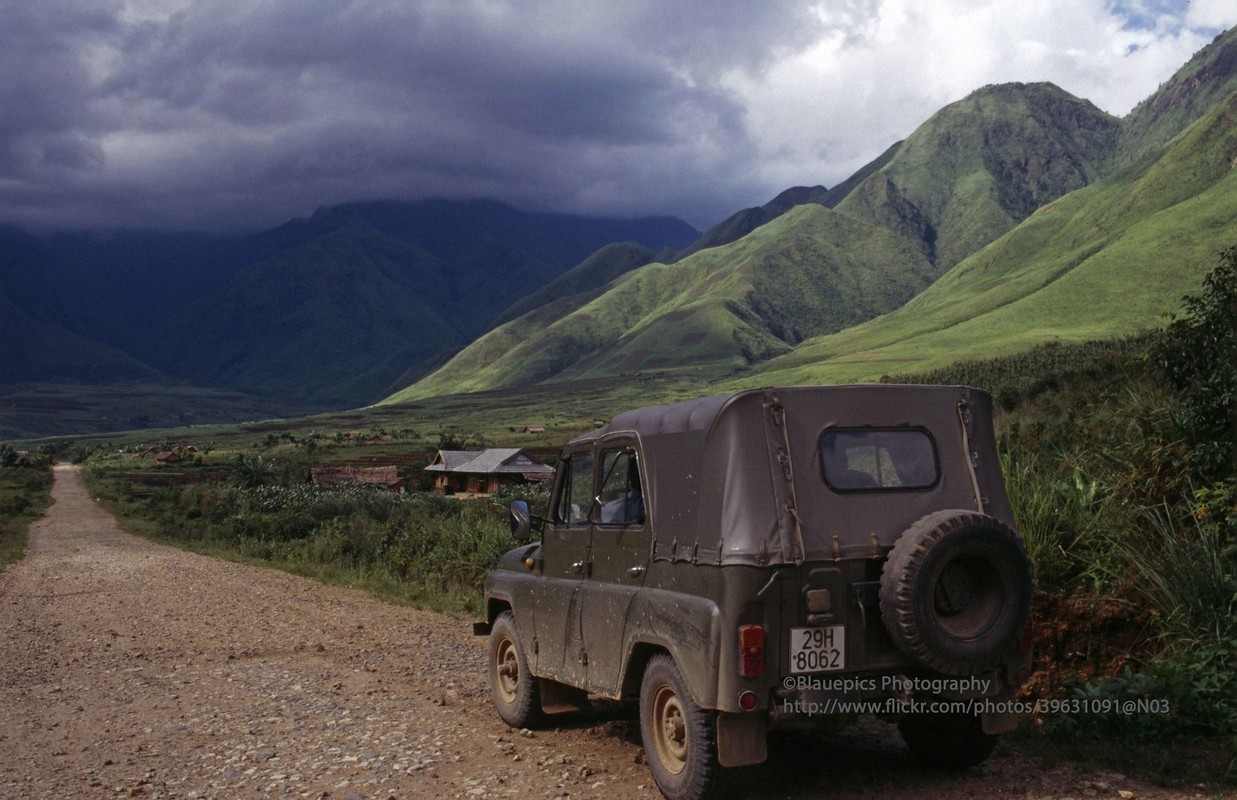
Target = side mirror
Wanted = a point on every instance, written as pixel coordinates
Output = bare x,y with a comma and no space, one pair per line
520,519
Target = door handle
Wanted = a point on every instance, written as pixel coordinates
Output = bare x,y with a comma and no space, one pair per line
636,571
580,568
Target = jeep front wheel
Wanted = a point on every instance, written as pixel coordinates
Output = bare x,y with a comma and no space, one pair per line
956,591
513,689
679,736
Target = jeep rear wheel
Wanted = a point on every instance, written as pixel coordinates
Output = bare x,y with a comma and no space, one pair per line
956,591
952,741
678,735
513,689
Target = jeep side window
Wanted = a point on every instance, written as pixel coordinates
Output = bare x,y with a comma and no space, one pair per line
622,497
575,495
858,459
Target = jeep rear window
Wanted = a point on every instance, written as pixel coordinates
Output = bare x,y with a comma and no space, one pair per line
861,459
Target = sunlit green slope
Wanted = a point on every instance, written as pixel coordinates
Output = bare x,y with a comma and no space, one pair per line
810,271
1100,262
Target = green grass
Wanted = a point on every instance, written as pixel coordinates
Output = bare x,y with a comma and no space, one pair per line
25,491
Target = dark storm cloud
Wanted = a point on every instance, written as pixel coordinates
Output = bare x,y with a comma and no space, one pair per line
240,114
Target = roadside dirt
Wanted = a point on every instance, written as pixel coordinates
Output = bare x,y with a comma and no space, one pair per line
133,669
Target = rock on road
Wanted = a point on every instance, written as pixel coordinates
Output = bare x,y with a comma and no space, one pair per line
133,669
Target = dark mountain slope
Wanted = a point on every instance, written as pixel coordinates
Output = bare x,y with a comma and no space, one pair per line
449,228
38,338
118,285
269,312
330,322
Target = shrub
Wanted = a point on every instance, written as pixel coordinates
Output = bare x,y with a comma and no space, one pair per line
1199,357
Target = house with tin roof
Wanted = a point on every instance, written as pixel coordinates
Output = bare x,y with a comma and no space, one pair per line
485,471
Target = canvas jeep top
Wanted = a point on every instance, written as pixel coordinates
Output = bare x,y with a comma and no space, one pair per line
740,560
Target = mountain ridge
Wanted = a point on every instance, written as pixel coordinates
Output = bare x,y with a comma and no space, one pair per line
995,199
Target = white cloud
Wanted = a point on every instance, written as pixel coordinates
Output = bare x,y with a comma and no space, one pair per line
1212,14
882,68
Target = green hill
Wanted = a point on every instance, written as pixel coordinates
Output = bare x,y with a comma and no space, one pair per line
981,165
1101,262
592,273
741,223
1208,78
809,271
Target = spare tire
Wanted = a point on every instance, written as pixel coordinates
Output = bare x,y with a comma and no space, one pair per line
956,591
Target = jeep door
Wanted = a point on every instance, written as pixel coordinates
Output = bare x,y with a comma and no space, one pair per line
619,555
565,562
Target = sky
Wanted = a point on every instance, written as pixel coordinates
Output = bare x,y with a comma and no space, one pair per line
238,115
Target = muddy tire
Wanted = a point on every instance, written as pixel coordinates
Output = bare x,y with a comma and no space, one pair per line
956,591
679,736
513,688
952,741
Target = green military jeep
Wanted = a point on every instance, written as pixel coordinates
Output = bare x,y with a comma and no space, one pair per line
739,561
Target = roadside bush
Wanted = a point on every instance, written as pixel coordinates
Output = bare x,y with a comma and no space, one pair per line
425,547
1169,698
1198,355
24,492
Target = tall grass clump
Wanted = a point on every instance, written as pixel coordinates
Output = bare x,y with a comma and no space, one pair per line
1057,518
1184,568
25,491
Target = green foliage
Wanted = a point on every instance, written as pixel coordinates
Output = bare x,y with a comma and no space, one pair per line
1168,699
250,473
1057,518
1199,357
25,491
1043,370
1183,564
455,440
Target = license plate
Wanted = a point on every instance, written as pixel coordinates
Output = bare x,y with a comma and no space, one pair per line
818,649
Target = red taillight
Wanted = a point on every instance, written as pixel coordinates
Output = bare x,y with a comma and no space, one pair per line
751,651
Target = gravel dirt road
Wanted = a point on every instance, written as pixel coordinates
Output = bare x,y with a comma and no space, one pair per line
132,669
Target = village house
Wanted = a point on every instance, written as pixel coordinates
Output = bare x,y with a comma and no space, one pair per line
485,471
